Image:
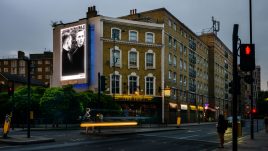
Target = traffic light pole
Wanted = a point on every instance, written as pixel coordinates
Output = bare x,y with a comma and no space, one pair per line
251,75
235,84
99,89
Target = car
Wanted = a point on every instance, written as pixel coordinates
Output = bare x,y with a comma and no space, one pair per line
230,120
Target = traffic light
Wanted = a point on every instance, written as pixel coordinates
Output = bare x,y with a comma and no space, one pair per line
247,57
254,110
103,83
235,88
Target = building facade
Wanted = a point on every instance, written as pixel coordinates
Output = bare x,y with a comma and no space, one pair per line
41,66
220,68
127,53
185,68
257,81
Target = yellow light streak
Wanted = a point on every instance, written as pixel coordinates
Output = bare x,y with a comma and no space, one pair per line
103,124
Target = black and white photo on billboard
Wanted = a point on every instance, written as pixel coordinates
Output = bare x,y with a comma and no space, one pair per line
73,52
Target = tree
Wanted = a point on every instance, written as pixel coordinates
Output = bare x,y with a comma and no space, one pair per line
20,102
5,105
60,104
106,105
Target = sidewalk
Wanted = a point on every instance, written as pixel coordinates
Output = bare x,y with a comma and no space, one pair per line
246,144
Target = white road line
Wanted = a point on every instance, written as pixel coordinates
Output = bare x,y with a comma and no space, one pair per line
170,137
212,133
188,136
182,138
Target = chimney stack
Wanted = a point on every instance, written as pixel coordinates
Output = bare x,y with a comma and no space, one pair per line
92,12
133,11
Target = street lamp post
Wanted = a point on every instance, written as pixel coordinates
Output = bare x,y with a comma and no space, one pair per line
114,61
28,61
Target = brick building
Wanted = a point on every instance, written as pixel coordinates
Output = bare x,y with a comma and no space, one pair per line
128,53
185,68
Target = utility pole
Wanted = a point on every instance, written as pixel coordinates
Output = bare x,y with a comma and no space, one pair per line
235,84
29,96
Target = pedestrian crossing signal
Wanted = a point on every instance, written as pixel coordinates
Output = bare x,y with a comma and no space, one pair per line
247,57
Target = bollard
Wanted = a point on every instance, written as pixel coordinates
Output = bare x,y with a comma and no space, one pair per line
266,124
239,129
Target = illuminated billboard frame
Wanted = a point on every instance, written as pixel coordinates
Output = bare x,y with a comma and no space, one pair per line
73,52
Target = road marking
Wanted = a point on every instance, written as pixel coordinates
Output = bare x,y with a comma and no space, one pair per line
182,138
169,136
212,133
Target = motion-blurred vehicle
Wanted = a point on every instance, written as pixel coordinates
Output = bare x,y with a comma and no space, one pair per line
230,120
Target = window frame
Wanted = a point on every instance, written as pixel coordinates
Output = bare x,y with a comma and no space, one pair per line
137,35
146,37
119,36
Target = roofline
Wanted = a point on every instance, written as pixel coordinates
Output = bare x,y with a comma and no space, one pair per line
212,34
127,21
164,9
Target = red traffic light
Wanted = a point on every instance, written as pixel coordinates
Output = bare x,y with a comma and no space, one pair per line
248,50
247,57
254,110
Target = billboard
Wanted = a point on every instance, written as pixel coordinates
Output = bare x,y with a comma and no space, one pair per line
73,52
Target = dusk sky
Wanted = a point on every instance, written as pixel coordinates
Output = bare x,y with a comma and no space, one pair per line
26,24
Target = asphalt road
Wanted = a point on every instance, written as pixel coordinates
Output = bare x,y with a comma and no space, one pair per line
201,137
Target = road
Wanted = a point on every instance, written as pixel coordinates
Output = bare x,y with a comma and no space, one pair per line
201,137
